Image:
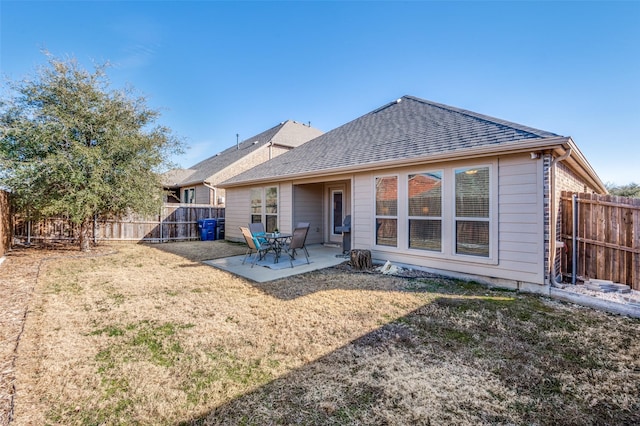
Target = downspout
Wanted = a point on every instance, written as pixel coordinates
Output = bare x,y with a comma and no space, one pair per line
553,216
214,192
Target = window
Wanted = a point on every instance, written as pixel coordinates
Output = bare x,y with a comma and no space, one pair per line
472,211
256,205
189,195
387,211
264,207
425,211
271,213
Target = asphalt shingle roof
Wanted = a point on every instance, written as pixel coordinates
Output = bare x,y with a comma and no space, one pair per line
288,133
404,129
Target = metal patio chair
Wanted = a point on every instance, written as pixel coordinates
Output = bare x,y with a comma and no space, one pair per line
296,242
254,244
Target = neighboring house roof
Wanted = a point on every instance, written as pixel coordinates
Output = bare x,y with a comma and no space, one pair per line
289,134
406,129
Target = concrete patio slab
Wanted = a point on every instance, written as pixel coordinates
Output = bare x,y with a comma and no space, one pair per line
320,257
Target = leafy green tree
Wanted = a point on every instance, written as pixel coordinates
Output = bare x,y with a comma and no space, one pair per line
630,190
71,145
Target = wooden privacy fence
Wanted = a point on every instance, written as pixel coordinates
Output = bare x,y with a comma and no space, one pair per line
5,223
175,222
607,237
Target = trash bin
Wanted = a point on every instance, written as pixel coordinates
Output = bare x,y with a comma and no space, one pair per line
207,229
220,229
346,234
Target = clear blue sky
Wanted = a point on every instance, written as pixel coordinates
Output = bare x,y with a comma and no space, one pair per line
221,68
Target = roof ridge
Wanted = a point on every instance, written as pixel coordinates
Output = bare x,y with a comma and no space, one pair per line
487,118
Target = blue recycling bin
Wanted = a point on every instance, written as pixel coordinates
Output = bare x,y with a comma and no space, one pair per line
207,229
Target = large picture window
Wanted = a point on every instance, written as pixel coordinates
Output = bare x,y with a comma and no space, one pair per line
425,210
264,207
387,211
472,212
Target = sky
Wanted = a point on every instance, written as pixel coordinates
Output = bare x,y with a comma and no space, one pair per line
217,69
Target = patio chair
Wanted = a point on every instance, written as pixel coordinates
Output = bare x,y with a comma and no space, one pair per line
254,244
257,230
296,242
304,244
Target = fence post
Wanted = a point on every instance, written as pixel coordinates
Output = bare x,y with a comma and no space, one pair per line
160,223
574,252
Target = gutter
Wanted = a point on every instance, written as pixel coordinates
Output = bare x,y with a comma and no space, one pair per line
526,145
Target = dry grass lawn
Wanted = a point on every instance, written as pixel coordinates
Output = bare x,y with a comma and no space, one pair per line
141,334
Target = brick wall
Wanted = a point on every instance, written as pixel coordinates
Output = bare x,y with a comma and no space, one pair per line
565,180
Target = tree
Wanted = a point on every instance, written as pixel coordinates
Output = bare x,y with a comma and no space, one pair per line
71,145
630,190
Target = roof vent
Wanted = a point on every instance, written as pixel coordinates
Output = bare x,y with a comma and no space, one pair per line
398,100
255,142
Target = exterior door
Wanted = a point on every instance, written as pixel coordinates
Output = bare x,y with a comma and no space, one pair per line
336,213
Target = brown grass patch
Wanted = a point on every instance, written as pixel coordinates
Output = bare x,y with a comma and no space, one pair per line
137,337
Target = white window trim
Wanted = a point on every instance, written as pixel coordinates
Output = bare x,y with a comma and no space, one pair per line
185,191
407,218
448,216
492,258
376,216
263,205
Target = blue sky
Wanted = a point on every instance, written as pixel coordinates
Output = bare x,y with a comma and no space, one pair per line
216,69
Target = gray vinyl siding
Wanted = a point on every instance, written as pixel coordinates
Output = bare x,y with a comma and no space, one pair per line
308,201
203,195
521,218
520,223
237,212
285,211
363,223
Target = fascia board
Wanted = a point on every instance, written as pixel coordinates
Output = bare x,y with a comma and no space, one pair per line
525,145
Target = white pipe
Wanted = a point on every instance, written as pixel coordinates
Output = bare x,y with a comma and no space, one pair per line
214,193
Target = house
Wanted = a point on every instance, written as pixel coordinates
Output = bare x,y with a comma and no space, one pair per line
426,184
198,184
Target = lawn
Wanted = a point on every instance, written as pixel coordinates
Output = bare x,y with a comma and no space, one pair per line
138,334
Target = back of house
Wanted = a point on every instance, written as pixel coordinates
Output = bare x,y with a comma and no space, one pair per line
425,184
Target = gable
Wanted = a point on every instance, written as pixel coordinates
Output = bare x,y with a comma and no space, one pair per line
288,134
405,129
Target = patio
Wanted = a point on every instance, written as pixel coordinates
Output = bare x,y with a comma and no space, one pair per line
320,256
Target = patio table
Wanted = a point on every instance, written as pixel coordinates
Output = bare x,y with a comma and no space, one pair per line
277,240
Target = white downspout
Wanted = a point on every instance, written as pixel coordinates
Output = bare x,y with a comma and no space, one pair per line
214,192
553,216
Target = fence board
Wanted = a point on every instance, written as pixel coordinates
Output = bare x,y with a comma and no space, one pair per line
608,235
5,222
175,222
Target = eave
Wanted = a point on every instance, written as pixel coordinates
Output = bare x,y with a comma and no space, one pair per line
559,145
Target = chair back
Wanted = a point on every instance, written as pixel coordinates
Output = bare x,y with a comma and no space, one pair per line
303,225
252,242
256,228
297,240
